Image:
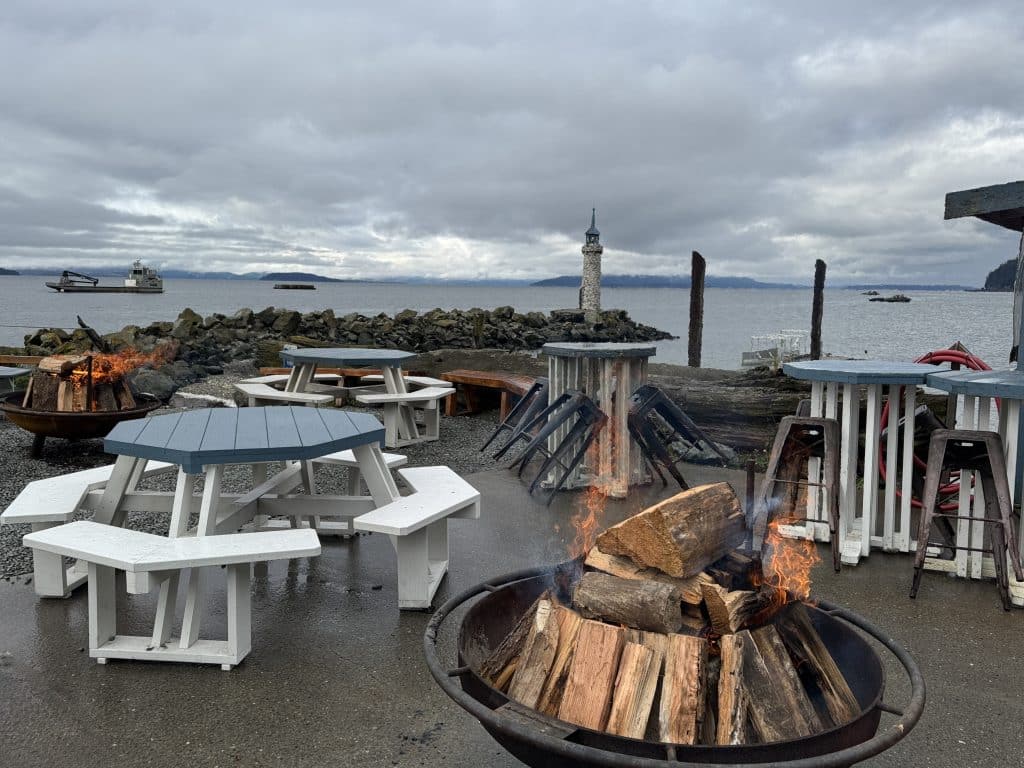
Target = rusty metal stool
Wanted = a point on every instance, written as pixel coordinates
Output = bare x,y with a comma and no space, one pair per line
655,419
585,421
982,452
533,401
798,439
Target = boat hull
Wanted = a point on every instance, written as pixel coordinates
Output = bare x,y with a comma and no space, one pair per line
101,289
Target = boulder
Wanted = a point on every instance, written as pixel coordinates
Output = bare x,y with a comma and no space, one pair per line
153,382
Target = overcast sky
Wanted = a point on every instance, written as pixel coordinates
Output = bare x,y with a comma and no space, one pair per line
471,139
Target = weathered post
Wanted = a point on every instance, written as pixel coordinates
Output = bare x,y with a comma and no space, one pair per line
817,307
696,310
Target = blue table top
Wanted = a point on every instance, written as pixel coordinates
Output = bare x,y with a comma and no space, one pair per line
242,435
1008,384
602,349
343,357
859,371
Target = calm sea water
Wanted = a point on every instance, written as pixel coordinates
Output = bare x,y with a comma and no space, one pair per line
852,325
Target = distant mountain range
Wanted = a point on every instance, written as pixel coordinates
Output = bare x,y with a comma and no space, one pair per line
663,281
909,287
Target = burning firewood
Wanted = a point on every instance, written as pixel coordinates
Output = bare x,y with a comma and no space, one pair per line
587,698
636,660
731,611
816,664
648,605
681,718
682,535
624,568
536,656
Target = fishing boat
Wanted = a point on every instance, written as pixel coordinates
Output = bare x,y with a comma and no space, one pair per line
140,279
774,349
899,298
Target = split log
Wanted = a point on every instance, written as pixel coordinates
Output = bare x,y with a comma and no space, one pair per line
569,623
683,534
624,568
62,365
733,705
816,666
496,666
645,605
780,707
681,717
536,657
587,698
731,611
105,398
635,683
44,391
65,395
125,398
79,392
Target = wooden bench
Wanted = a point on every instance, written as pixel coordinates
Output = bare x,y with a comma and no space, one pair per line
472,384
54,501
350,377
400,411
108,549
263,394
418,525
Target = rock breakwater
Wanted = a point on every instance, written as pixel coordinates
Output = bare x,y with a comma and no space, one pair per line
205,345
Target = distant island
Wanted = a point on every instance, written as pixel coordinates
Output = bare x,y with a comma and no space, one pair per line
8,271
308,277
663,281
1001,278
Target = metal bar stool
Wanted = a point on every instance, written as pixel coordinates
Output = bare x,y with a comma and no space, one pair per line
798,439
651,412
529,406
982,452
586,421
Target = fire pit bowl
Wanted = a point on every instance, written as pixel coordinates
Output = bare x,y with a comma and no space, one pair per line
542,741
72,425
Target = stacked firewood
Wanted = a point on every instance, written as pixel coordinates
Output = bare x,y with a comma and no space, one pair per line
673,636
70,383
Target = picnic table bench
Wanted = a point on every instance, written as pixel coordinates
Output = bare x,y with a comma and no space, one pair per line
472,384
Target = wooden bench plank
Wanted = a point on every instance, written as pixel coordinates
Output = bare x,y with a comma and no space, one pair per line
419,381
437,497
138,552
416,396
468,381
56,499
263,392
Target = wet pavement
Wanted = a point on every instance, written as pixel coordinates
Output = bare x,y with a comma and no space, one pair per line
336,675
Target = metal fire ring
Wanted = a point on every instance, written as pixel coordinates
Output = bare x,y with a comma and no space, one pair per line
445,677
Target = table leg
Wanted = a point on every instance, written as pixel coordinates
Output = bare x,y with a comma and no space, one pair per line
1011,448
977,533
850,435
376,474
871,443
259,476
394,384
181,512
907,470
814,494
892,436
207,526
109,510
299,377
964,504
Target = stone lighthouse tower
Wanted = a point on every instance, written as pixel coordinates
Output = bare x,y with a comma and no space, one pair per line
590,291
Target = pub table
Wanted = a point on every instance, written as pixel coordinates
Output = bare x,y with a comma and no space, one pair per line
878,525
980,394
609,372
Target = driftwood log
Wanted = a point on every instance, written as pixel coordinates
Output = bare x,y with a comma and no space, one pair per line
681,535
647,605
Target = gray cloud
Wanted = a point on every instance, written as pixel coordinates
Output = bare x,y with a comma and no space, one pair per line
468,139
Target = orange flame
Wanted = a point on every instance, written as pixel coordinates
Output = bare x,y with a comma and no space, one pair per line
786,565
114,366
590,509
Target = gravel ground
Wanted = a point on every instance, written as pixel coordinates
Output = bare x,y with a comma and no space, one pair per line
461,437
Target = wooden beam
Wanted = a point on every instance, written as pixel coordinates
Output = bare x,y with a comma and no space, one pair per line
1001,204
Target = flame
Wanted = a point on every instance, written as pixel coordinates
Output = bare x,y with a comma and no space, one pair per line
590,508
113,366
786,567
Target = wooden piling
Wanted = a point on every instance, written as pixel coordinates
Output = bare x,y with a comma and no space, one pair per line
817,308
696,310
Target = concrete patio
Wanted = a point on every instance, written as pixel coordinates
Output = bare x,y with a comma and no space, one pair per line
337,676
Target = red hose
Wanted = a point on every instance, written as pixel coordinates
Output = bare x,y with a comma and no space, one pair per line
938,356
